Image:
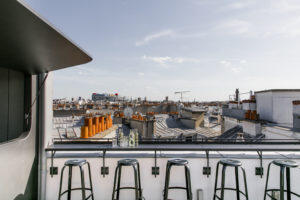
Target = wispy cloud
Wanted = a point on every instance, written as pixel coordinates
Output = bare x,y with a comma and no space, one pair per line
169,33
163,61
236,5
154,36
291,28
234,65
283,6
235,27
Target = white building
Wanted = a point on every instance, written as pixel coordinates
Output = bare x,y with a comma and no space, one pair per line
276,105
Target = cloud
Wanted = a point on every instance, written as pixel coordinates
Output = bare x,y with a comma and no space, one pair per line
169,33
240,4
163,61
291,28
154,36
235,27
225,63
243,61
234,65
283,6
141,74
159,60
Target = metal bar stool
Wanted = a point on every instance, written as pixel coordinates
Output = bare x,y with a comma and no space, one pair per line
230,163
137,178
76,163
188,185
283,164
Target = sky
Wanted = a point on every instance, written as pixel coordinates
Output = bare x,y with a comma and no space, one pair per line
154,48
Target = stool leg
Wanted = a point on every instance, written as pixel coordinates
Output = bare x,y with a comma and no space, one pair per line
61,180
119,182
223,182
136,182
237,183
115,182
288,184
69,182
188,183
245,183
216,181
140,184
281,183
167,179
91,184
266,188
82,182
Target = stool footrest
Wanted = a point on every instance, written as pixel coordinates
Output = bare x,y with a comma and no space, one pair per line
89,196
175,187
232,189
75,189
126,188
278,190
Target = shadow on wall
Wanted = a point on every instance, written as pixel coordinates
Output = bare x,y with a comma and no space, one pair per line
31,190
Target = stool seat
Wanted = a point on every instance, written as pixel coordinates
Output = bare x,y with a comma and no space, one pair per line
178,161
230,162
188,185
284,186
75,162
285,163
127,162
81,164
219,192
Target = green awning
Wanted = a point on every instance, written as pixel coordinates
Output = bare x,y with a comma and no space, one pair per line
29,44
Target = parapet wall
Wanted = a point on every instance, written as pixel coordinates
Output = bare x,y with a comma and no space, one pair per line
64,113
145,128
157,109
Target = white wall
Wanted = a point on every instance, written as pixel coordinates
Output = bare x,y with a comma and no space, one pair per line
283,107
17,158
230,123
153,187
277,107
264,105
251,128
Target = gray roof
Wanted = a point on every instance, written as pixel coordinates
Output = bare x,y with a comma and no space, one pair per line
278,90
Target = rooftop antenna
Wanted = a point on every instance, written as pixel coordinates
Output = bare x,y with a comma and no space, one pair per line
181,92
237,94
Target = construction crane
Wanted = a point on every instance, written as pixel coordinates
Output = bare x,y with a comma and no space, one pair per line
181,92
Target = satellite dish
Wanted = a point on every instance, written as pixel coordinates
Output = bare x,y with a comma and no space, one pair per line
181,106
128,112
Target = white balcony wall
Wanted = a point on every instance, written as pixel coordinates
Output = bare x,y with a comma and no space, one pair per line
153,187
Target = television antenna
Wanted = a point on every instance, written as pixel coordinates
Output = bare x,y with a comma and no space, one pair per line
128,112
181,93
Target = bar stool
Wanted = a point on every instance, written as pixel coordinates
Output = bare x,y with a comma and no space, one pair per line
283,164
230,163
137,178
76,163
188,185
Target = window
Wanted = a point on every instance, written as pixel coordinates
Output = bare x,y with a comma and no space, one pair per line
15,93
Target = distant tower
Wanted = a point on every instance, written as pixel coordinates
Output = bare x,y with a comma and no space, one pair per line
237,94
167,98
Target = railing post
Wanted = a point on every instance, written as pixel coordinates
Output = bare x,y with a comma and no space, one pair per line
104,169
53,170
207,169
259,171
155,169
